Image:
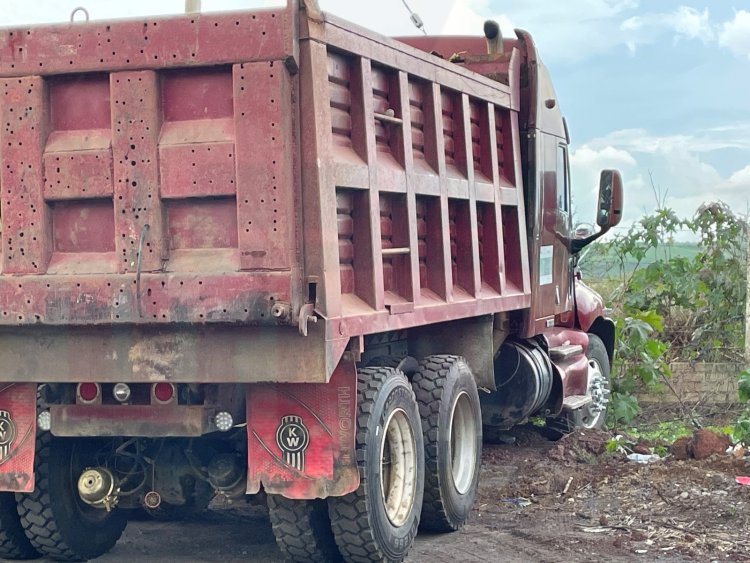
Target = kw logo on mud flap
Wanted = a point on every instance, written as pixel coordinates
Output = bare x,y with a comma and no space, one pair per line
7,434
292,437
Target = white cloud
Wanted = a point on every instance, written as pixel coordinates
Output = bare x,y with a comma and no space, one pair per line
735,34
569,31
683,23
468,17
586,163
692,24
738,182
585,155
677,163
736,136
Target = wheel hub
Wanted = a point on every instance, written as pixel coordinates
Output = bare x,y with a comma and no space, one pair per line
598,389
98,487
398,468
462,433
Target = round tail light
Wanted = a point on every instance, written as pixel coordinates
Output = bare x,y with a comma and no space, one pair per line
88,391
163,392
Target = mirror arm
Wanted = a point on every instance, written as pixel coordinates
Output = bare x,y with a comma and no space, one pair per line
576,245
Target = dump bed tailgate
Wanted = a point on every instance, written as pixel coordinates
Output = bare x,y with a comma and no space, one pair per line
148,171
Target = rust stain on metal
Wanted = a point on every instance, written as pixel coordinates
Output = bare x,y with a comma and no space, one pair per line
155,358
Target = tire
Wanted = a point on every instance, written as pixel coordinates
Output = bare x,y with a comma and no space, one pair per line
302,529
585,417
406,364
452,424
366,526
57,522
13,541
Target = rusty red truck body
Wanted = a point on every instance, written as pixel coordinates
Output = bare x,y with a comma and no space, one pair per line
273,252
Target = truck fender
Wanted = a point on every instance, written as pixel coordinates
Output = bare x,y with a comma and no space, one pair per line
301,436
591,318
17,436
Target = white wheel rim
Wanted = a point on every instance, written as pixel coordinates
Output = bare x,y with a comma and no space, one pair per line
398,467
462,437
598,388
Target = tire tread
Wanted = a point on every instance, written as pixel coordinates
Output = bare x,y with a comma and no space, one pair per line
37,517
302,530
350,514
428,384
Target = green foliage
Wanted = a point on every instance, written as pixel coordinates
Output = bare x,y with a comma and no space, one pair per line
639,360
666,432
701,298
741,428
744,386
688,306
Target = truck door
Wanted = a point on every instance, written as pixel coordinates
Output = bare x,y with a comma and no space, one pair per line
563,264
555,268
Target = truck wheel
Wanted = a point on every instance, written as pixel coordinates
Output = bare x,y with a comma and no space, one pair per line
594,414
302,529
452,424
379,521
57,522
13,542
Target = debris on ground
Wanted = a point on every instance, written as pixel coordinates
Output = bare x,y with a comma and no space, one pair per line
643,458
706,443
587,496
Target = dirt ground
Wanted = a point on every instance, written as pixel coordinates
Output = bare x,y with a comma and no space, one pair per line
538,501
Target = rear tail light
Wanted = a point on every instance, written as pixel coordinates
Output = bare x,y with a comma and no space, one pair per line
89,392
163,392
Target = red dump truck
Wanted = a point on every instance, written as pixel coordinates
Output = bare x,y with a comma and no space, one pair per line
273,253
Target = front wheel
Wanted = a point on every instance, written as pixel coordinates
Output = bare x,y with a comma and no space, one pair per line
57,522
379,521
594,414
452,424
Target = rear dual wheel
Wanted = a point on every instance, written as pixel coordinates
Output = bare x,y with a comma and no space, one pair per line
302,530
13,541
413,441
56,521
452,424
379,521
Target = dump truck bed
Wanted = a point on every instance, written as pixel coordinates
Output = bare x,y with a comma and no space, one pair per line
210,184
140,183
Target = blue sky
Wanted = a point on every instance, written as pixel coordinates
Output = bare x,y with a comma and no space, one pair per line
649,87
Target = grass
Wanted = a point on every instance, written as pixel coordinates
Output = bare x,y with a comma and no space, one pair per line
601,263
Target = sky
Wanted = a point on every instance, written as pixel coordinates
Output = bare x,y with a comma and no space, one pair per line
658,89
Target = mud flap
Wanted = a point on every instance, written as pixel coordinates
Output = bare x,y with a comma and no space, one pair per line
17,436
301,436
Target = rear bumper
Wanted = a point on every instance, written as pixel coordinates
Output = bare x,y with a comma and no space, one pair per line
131,420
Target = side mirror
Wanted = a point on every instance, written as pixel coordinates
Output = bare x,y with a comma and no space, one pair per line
609,210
